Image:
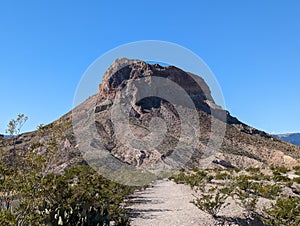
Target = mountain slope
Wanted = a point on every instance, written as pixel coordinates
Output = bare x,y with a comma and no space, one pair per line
167,111
293,138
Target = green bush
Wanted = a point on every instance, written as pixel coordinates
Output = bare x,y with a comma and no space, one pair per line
222,176
7,218
297,170
280,169
289,183
194,179
245,189
278,177
41,196
252,170
286,211
210,203
269,191
245,200
259,177
297,180
243,182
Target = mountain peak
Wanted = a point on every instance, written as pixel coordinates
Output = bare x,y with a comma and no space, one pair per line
157,131
124,70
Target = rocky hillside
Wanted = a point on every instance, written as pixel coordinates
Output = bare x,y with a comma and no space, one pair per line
171,120
293,138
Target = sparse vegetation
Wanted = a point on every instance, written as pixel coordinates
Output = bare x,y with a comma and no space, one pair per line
211,203
246,188
286,211
297,180
79,195
35,195
280,169
297,170
252,170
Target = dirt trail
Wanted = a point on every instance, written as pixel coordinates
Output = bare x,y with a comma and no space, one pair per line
166,203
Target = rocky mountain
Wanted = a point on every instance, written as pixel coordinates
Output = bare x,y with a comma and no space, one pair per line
5,136
293,138
149,116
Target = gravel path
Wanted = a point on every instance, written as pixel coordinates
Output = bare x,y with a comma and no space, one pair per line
166,203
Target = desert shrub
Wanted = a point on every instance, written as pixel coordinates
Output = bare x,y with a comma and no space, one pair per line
246,200
222,176
297,180
252,170
42,195
211,203
269,191
195,170
193,179
280,169
259,177
278,177
179,178
243,182
7,218
297,170
232,170
286,211
227,190
289,183
245,189
79,189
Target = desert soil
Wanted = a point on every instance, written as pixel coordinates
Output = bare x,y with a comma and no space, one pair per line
166,203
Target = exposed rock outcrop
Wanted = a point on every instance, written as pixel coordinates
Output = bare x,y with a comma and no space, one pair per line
242,145
124,70
158,121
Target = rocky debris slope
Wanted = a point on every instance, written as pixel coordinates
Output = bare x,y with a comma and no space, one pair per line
242,145
239,146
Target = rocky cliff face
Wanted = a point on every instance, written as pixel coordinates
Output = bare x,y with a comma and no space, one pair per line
171,121
124,70
241,146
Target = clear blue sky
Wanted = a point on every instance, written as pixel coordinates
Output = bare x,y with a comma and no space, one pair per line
253,48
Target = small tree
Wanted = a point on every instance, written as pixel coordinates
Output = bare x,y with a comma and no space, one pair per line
8,173
14,128
79,196
15,125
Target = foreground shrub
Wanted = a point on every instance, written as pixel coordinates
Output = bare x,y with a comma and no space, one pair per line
297,170
7,218
286,211
246,190
210,203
